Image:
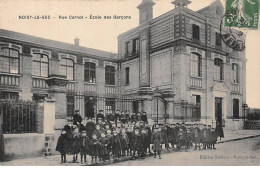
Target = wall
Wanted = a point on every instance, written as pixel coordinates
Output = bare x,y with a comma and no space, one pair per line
23,145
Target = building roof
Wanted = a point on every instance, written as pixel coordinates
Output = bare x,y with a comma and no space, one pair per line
55,44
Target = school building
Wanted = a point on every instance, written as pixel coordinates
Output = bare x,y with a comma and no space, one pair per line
175,67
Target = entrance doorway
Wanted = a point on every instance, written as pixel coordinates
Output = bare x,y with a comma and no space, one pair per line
218,111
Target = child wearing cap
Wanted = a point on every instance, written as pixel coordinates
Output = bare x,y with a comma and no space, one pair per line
124,141
213,138
116,145
62,146
204,134
84,146
130,136
197,136
95,149
156,140
75,144
137,143
104,147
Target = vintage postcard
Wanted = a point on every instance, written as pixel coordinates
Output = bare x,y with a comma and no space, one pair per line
129,83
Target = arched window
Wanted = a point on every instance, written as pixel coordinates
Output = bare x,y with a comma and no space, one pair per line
195,65
67,68
218,69
9,60
235,73
110,75
40,65
90,72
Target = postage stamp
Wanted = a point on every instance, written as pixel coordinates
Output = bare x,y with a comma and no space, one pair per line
242,13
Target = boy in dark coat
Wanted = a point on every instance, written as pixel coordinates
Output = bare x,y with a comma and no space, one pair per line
90,127
104,146
124,142
130,136
84,147
144,117
138,143
95,148
116,144
62,146
133,118
181,138
101,115
109,137
75,144
110,117
117,116
197,136
213,138
156,140
127,116
146,142
149,135
204,135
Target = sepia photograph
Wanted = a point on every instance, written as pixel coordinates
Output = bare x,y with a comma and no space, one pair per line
129,83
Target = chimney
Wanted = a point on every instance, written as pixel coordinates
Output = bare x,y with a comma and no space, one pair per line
145,10
76,41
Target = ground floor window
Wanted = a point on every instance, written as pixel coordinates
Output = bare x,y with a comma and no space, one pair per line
90,107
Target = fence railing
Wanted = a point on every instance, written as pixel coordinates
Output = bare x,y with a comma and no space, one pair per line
18,116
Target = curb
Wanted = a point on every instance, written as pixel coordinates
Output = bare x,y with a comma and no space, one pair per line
236,139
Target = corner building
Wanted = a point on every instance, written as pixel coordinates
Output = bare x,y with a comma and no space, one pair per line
186,72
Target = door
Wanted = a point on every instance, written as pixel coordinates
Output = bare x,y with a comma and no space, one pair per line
218,111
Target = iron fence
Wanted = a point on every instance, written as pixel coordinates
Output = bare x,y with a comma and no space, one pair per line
18,116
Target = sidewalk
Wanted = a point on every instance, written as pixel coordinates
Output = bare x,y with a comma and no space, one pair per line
54,160
233,135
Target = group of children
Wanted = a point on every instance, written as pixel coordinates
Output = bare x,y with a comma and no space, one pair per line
118,135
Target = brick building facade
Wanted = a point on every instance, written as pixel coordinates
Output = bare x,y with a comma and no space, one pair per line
186,73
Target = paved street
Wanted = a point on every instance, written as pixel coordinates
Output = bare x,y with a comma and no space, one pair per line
242,152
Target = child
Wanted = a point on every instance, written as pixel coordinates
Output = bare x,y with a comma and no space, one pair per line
145,142
124,142
213,137
137,143
84,146
116,144
104,147
197,137
156,141
204,134
62,146
130,136
75,144
109,137
95,148
181,138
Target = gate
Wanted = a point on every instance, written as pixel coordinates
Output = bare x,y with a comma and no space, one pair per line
89,105
18,116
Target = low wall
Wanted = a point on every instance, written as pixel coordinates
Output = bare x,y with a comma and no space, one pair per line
23,145
236,124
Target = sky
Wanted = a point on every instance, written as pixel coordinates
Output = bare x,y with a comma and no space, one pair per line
102,34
